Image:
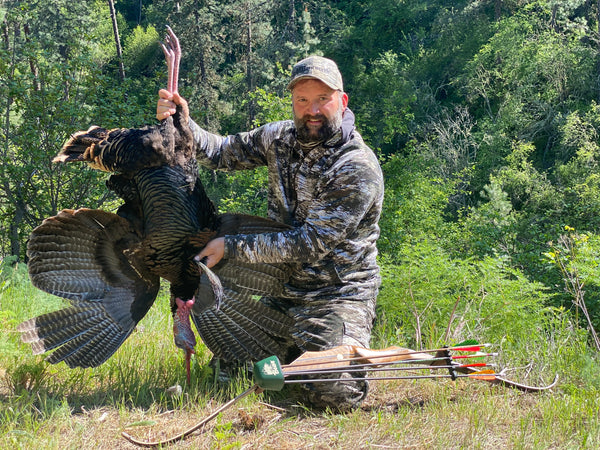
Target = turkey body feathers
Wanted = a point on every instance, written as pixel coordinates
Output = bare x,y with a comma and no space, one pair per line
177,220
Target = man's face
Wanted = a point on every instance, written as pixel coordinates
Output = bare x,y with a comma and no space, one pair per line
317,110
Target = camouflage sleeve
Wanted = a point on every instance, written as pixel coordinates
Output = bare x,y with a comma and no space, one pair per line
236,152
346,194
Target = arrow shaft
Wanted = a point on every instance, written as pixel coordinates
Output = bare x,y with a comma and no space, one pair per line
337,360
485,377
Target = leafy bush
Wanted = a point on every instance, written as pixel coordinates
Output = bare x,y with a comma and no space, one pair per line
576,257
429,300
414,203
438,300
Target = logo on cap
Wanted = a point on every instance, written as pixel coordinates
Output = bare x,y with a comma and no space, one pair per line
319,68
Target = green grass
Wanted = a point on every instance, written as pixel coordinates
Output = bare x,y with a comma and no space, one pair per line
51,406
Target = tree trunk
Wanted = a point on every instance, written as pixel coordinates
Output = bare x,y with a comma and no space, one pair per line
15,225
113,16
32,62
9,100
553,23
249,83
598,32
13,232
292,21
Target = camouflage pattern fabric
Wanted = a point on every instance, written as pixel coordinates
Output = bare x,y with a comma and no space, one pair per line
326,322
332,194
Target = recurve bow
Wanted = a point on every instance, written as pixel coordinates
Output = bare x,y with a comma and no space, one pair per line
269,374
338,358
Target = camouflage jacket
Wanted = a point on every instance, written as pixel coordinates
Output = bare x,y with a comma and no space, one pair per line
331,194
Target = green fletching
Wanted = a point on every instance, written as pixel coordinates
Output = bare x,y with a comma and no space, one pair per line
466,343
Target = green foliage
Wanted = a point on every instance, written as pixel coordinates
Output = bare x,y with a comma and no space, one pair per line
420,292
304,45
384,101
489,229
575,255
511,217
271,107
526,76
414,203
428,300
49,80
16,293
141,52
527,188
245,192
577,169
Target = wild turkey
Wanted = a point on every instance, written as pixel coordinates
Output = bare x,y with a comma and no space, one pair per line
109,265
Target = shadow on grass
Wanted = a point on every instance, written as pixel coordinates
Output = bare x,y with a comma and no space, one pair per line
40,390
45,388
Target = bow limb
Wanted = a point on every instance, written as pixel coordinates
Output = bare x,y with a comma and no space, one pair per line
199,425
501,381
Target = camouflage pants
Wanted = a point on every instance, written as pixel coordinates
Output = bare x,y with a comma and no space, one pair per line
323,322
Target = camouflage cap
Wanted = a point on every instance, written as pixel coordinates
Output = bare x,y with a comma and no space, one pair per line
319,68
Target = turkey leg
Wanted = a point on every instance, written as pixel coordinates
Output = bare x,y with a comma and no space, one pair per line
172,52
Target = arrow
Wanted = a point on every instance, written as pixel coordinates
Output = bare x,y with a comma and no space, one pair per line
485,375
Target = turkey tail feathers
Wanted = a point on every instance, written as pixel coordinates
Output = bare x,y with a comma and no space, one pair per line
83,336
243,329
79,255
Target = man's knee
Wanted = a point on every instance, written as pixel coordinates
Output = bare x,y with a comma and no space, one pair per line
344,394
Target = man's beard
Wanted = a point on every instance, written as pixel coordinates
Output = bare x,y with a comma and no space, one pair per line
327,130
